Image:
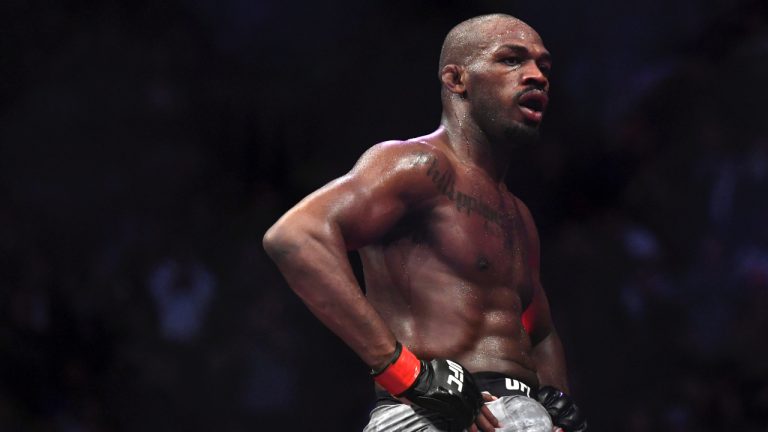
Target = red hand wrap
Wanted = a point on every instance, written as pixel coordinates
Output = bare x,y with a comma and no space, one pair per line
401,374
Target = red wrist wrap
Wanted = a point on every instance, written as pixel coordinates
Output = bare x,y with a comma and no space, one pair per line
401,374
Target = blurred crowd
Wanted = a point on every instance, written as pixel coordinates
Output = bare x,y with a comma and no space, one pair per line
145,148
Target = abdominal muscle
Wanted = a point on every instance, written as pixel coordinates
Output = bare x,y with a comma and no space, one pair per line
437,314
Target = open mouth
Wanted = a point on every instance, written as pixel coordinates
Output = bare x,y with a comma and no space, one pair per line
532,104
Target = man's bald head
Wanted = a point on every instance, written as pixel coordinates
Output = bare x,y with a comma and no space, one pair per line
469,36
494,74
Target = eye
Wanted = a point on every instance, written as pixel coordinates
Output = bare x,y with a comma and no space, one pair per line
545,69
511,61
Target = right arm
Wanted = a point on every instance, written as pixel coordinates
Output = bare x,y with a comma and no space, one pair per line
309,243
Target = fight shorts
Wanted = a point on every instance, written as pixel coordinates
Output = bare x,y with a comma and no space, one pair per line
515,409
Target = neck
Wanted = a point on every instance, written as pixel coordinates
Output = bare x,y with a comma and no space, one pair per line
475,147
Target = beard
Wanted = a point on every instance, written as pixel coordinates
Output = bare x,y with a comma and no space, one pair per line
521,135
497,125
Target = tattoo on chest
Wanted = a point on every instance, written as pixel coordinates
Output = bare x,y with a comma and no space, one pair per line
466,203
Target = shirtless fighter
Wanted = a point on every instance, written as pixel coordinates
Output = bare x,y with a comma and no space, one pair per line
453,303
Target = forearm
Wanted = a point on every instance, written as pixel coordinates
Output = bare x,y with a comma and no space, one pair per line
554,393
549,358
314,263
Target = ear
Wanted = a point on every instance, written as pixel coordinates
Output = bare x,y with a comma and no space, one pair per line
453,79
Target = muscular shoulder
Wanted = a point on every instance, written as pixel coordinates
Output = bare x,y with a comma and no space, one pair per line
525,214
403,167
531,232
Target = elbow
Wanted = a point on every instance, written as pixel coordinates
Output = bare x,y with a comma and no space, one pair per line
277,242
297,239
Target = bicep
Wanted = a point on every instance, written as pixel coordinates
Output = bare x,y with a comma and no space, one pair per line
365,204
361,211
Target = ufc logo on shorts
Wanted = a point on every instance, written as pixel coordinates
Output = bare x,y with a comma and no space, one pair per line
458,375
513,384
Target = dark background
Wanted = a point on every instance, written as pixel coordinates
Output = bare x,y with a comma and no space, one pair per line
146,146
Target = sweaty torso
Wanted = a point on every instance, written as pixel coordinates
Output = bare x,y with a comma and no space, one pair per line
454,276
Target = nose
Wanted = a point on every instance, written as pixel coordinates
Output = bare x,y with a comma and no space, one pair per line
533,76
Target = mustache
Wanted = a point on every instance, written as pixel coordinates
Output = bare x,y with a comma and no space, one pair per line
530,89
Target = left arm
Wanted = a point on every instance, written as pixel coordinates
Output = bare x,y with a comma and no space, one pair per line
546,348
549,358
